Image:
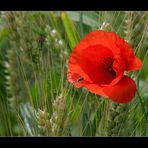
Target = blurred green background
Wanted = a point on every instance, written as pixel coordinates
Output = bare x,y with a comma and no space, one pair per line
35,96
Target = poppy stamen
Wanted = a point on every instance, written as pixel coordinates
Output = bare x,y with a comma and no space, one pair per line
107,64
106,68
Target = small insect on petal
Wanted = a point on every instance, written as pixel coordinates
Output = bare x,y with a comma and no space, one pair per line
79,80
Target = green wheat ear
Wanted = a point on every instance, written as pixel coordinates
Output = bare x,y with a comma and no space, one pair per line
54,124
43,122
58,118
116,119
12,77
11,80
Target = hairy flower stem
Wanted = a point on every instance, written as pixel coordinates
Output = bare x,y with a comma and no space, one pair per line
116,119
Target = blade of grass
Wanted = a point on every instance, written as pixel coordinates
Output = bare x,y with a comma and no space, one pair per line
142,105
81,24
71,33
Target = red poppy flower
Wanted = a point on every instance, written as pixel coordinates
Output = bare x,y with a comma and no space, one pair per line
98,63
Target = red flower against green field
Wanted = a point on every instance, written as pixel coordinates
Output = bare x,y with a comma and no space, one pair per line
98,63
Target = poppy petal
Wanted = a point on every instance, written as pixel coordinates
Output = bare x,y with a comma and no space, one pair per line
123,91
99,37
135,64
96,89
118,46
92,64
75,79
131,61
75,68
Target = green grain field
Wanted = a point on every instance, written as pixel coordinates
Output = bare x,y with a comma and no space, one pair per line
36,98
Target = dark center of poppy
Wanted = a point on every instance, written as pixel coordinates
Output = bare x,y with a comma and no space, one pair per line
107,69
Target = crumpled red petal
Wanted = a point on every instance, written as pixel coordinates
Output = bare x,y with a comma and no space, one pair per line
131,61
88,63
73,78
99,37
96,89
135,64
122,92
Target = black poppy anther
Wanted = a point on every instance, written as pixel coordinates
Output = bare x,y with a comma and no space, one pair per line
107,66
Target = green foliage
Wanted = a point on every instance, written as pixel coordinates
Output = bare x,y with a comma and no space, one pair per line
35,96
70,30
